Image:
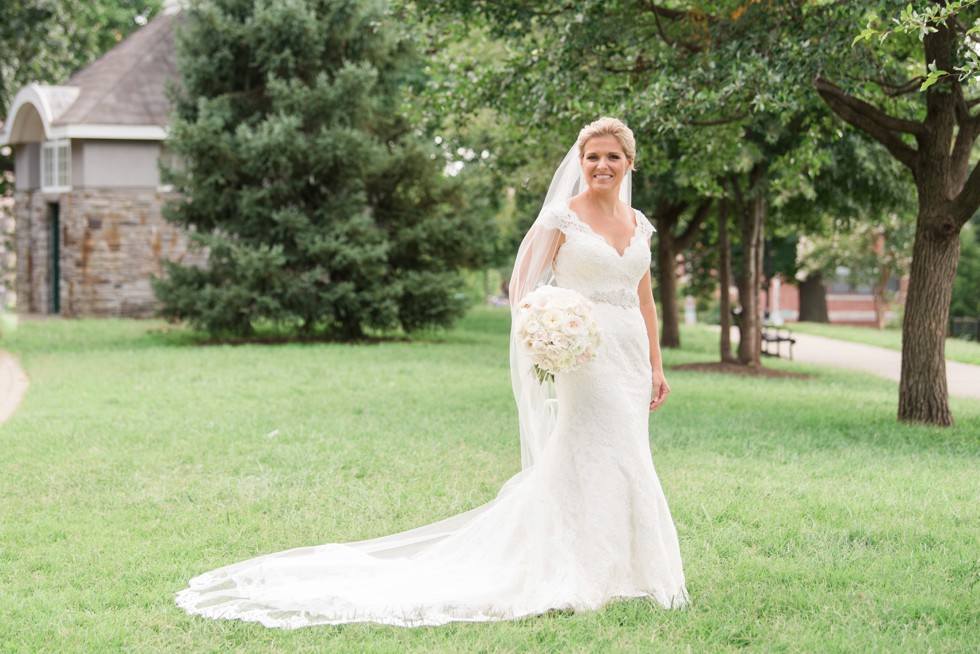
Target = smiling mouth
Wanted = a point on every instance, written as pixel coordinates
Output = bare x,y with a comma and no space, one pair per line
602,176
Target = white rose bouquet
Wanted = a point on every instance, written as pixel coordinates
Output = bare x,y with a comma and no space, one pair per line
558,330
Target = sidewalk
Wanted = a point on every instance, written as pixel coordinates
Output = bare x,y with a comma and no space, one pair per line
13,384
963,378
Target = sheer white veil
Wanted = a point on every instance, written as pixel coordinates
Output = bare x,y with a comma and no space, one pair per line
537,406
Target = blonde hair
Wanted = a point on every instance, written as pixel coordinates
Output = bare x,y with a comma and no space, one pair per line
607,126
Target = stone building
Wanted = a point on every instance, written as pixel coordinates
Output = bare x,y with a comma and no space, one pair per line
7,260
87,202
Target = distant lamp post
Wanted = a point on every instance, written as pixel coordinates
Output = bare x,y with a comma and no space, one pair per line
776,316
690,310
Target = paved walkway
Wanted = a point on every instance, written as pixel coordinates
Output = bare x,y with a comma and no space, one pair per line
963,378
13,384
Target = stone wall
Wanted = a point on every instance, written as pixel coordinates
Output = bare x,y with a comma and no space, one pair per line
8,258
32,238
112,242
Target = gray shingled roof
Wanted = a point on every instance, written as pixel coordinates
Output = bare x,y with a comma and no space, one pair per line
126,85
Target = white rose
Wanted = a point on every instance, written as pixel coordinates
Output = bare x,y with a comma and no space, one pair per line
573,326
551,319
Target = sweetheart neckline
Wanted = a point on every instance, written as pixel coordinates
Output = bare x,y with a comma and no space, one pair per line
632,241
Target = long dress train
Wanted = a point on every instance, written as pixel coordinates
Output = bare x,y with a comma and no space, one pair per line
585,524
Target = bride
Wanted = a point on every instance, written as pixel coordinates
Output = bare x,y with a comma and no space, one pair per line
585,521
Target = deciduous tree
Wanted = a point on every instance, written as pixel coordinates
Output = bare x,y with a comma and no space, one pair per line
932,132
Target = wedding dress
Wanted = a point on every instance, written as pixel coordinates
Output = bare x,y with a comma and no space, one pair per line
583,523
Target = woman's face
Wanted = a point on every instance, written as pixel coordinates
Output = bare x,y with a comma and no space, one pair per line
604,163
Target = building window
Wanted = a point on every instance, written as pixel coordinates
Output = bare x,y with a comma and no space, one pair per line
56,166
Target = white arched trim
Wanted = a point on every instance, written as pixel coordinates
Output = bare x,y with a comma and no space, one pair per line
36,101
35,110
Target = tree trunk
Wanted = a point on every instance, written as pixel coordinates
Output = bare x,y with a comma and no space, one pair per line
948,193
923,392
725,283
941,174
669,243
752,230
670,333
813,299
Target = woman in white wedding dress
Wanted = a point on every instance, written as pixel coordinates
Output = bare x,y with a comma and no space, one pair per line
585,521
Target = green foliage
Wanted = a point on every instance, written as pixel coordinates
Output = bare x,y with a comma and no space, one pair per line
319,207
925,19
966,286
46,41
710,90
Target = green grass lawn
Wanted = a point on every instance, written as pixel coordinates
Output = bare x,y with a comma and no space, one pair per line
809,520
956,349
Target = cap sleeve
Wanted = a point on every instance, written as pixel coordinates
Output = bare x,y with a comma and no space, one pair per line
554,216
644,224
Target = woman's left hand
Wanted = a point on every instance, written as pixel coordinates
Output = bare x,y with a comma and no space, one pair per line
660,390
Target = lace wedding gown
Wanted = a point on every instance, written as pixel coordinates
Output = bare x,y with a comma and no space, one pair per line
586,523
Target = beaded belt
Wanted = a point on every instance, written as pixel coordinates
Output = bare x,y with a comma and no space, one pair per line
621,298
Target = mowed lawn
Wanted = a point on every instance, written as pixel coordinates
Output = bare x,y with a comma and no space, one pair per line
809,520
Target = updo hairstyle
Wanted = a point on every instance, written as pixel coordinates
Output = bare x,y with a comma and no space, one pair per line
607,126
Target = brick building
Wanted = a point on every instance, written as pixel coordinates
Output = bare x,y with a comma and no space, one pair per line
847,303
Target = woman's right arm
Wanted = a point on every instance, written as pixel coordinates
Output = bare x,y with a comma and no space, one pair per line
534,258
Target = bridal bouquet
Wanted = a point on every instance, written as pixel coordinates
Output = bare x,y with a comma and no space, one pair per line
558,330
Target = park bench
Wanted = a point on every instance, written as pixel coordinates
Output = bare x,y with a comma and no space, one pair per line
773,338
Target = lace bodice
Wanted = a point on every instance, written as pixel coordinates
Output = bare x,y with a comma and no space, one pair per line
587,262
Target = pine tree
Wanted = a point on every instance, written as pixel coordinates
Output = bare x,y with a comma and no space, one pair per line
318,205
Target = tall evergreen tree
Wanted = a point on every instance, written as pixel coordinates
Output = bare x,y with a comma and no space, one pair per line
317,203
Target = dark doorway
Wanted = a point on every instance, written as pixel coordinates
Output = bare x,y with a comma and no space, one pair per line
54,220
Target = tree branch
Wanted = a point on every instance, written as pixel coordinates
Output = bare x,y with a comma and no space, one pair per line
717,121
963,29
667,213
966,120
962,147
892,90
738,199
868,110
871,120
671,14
965,204
639,68
889,89
678,14
686,238
970,104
